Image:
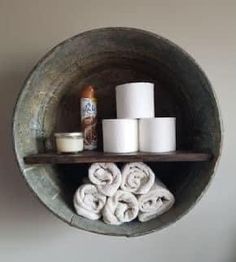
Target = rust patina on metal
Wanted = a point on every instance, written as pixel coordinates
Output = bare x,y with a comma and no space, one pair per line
49,102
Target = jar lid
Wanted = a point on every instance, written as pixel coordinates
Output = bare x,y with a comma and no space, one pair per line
69,135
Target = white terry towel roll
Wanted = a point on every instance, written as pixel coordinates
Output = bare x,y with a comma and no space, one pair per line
156,202
137,178
106,176
89,202
120,208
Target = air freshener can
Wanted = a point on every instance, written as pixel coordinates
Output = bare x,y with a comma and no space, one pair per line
89,117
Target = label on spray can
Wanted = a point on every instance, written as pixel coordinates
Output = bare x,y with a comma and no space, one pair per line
89,122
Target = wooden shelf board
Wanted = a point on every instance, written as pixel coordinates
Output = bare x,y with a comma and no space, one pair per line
95,156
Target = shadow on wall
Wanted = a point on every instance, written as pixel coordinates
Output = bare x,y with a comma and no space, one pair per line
232,252
22,215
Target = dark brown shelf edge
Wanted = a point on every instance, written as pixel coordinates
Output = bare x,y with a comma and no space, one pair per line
91,157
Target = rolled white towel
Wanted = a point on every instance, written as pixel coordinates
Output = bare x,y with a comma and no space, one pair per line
137,178
156,202
106,176
120,208
88,202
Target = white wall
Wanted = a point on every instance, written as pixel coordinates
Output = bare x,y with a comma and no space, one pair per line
207,30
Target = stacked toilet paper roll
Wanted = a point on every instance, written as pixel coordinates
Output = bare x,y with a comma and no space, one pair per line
120,135
136,127
135,100
157,135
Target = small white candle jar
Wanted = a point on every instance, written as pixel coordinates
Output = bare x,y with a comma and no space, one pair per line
69,142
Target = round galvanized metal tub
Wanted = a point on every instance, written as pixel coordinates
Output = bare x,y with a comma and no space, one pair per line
49,102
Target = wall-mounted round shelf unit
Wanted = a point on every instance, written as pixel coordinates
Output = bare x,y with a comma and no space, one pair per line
50,102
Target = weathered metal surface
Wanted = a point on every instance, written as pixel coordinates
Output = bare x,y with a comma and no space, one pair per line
49,102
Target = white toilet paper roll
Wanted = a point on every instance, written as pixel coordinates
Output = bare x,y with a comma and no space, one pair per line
120,135
157,134
135,100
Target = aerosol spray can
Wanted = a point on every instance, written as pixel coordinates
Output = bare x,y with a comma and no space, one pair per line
89,117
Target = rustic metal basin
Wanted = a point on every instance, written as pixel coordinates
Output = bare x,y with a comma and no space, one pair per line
49,102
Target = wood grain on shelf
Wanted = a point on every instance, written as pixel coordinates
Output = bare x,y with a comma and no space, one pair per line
94,156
